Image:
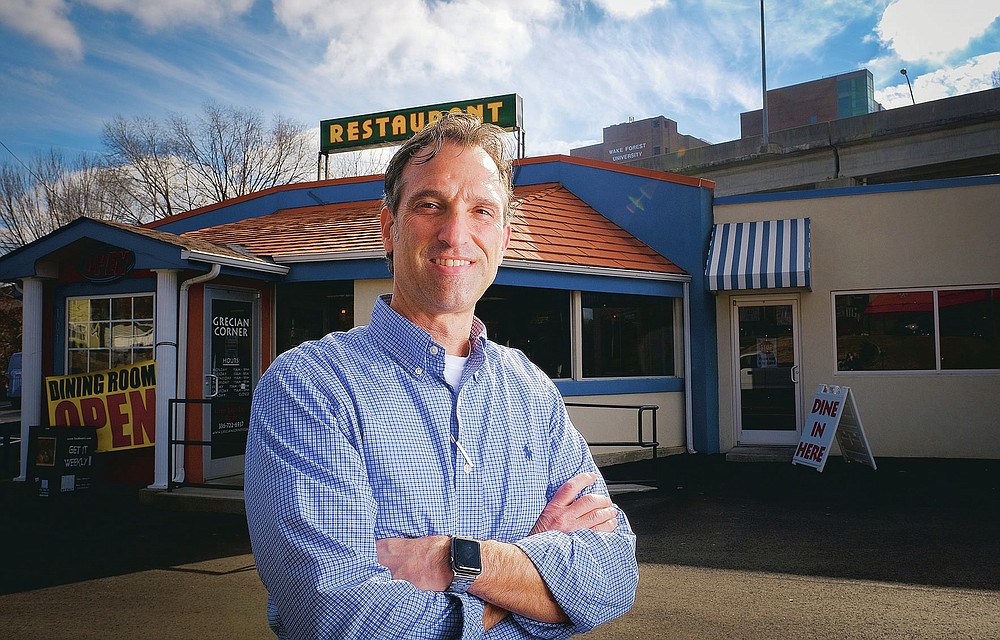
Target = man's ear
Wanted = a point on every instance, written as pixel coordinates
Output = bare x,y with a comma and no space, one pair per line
387,222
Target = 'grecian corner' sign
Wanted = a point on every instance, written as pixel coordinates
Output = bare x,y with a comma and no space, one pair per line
390,127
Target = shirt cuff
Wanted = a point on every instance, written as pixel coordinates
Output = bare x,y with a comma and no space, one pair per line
569,565
472,616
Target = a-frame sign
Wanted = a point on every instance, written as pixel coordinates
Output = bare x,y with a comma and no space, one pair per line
833,412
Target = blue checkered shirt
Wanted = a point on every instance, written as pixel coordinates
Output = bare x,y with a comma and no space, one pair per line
350,442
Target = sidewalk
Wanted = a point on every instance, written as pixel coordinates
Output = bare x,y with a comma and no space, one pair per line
727,550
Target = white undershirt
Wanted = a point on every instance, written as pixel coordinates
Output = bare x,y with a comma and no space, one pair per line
453,368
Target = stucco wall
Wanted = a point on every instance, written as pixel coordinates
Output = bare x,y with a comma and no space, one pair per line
366,292
620,424
889,239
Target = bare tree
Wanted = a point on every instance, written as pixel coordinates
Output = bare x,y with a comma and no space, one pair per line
157,169
183,164
47,193
355,163
144,168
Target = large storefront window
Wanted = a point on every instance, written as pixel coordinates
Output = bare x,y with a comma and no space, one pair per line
970,328
536,321
310,310
928,330
627,335
108,332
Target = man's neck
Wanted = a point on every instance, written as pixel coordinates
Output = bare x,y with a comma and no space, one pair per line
451,331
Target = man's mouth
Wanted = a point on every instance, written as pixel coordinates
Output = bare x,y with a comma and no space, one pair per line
449,262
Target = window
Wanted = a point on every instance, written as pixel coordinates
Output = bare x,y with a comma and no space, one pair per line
310,310
970,328
108,332
536,321
627,335
925,330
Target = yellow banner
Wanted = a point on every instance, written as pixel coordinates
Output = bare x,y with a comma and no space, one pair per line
120,402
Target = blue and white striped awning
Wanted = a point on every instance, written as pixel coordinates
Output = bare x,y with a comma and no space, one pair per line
768,254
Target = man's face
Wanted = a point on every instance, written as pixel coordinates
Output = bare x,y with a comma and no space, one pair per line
448,236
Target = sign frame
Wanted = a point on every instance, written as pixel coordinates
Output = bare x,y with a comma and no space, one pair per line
833,413
388,128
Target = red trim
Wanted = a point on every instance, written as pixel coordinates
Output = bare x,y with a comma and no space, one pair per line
294,186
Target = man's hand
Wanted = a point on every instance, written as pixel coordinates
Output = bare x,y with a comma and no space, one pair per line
567,513
425,561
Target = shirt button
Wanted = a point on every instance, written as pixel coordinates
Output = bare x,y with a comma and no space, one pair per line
434,350
418,371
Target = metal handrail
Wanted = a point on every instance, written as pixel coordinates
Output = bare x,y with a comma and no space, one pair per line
171,413
639,441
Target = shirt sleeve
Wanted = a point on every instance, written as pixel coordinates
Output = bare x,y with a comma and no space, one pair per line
311,518
592,575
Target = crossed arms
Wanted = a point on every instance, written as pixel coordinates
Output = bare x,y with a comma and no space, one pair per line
510,582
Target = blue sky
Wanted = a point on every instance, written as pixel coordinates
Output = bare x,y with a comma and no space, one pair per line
67,67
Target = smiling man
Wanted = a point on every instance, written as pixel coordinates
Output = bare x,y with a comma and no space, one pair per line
411,478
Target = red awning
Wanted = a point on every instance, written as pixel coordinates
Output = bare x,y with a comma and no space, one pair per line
922,301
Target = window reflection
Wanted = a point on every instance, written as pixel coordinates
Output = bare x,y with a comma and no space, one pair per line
107,332
627,335
536,321
896,330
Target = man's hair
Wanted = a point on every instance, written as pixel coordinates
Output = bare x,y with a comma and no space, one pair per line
463,129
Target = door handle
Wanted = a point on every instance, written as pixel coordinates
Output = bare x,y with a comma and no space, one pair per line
213,385
794,372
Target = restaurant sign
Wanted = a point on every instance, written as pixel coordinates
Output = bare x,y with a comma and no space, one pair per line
391,127
106,264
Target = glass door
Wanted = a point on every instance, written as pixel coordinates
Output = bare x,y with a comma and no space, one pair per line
766,353
232,367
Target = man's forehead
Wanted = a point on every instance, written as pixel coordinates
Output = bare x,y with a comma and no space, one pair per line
436,169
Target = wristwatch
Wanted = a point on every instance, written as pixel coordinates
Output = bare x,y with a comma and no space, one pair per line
466,563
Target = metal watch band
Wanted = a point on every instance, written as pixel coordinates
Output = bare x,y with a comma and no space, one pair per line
461,583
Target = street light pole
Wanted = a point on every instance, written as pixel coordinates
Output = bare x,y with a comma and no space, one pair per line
903,71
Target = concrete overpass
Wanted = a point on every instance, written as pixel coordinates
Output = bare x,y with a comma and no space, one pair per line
952,137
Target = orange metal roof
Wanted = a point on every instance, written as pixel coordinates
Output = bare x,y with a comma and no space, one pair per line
552,226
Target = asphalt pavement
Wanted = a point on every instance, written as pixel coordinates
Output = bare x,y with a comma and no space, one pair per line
726,550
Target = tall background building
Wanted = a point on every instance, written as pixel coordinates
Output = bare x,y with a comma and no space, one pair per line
637,139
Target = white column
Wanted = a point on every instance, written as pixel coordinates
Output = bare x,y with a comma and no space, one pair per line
31,363
166,369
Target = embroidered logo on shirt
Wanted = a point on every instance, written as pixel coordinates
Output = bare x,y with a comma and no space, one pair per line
527,452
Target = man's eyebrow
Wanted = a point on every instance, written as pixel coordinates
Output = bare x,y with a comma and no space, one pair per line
425,193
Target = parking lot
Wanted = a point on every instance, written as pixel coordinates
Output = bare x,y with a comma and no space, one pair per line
727,550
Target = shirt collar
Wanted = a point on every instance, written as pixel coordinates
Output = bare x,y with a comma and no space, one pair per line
412,346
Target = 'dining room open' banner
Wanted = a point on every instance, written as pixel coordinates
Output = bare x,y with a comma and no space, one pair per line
120,402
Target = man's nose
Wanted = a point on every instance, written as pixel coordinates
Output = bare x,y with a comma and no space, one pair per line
454,230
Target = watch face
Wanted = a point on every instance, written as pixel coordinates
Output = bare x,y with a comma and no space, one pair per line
465,555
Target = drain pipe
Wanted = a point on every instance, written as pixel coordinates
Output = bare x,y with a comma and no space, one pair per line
688,405
182,340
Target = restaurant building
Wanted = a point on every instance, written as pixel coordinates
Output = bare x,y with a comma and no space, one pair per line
157,334
896,296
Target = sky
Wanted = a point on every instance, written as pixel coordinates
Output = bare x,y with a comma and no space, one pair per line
69,66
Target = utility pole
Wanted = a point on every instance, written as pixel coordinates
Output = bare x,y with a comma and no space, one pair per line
763,73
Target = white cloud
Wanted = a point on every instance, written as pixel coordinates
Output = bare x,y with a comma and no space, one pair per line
414,41
975,75
628,9
917,29
48,22
164,13
44,21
